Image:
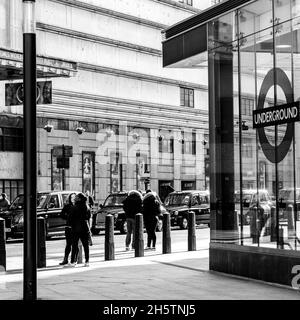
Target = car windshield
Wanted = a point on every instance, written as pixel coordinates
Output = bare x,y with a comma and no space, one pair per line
18,202
41,199
177,199
114,200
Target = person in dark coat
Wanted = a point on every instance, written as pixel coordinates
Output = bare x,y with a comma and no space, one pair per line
4,202
79,219
132,205
65,214
151,211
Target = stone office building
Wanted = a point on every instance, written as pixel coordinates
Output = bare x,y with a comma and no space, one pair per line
102,91
251,49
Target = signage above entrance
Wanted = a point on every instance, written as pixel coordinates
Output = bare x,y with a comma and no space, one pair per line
285,113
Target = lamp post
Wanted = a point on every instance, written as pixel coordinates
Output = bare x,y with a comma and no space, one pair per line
30,166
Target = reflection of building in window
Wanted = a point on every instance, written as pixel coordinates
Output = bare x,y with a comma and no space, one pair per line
247,148
187,97
11,139
247,106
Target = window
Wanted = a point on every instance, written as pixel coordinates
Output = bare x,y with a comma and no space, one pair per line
53,202
11,139
188,2
189,143
213,2
187,97
166,145
12,188
247,148
247,106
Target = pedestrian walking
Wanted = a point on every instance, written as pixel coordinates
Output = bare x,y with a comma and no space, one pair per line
79,220
151,210
132,205
4,202
65,214
90,199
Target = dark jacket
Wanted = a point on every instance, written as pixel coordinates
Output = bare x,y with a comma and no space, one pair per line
151,207
79,217
65,213
133,204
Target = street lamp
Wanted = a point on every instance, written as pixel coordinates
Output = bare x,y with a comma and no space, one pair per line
30,166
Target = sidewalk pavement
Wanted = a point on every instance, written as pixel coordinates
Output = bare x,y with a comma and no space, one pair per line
175,276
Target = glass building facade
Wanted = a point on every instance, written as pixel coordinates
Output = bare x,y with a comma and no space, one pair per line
252,57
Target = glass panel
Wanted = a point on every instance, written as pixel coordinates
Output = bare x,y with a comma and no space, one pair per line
255,17
286,179
224,106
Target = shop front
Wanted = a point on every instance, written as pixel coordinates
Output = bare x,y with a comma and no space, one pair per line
251,51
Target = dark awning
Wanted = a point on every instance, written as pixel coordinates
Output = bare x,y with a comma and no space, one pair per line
189,37
11,66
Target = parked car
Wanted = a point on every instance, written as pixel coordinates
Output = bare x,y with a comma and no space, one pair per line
113,205
250,200
49,206
179,203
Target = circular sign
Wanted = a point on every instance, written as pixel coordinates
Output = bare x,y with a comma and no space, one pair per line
284,83
20,93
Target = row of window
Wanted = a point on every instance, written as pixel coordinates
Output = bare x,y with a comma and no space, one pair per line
188,2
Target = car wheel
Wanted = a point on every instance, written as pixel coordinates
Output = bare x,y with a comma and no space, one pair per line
123,227
159,225
184,223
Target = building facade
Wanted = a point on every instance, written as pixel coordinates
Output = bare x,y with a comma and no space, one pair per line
104,100
252,52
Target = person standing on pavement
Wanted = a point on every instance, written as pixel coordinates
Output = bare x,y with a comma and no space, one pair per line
65,214
151,210
4,202
132,205
80,215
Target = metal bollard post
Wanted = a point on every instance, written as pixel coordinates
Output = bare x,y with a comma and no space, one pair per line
273,224
41,242
139,235
166,233
253,225
291,222
281,240
2,245
79,253
109,246
191,231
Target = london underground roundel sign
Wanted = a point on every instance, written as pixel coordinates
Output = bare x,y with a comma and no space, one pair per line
284,83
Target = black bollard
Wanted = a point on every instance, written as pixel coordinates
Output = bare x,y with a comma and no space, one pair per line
41,242
2,245
281,239
253,225
273,224
109,246
191,231
291,222
166,233
139,235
